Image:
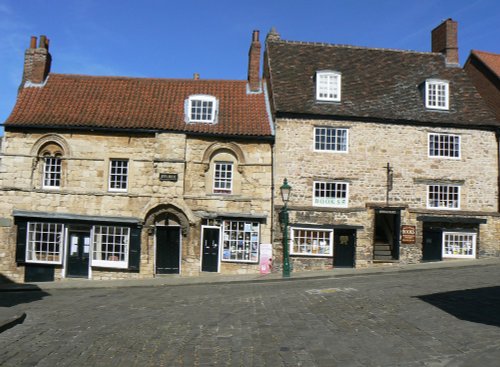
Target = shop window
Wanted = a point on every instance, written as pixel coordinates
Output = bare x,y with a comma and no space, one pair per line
460,245
110,246
44,243
311,242
240,241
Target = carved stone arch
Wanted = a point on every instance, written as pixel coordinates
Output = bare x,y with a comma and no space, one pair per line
167,211
218,147
48,139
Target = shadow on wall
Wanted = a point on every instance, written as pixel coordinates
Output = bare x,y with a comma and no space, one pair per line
12,294
479,305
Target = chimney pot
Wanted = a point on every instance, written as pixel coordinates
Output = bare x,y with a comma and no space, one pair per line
43,42
196,76
33,42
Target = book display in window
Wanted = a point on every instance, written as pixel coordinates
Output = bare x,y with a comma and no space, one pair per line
241,241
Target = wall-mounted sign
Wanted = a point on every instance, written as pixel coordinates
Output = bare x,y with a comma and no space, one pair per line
168,177
408,234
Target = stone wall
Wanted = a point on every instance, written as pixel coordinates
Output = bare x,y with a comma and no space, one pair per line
84,187
371,146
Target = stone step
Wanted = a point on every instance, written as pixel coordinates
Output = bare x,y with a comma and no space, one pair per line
378,252
382,257
382,247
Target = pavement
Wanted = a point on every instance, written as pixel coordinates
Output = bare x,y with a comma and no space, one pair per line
10,318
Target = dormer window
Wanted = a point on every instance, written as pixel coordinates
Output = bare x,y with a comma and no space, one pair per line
328,85
437,94
201,108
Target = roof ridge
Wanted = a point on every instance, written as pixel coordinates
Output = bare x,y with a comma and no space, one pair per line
120,77
485,52
325,44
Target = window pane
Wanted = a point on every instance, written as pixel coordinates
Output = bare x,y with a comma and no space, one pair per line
110,244
44,243
118,175
311,242
241,241
443,196
223,177
52,172
330,139
332,194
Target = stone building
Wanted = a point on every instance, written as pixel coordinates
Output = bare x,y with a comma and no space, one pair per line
115,177
392,155
483,69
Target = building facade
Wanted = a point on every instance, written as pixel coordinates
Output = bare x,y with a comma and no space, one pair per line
392,155
113,177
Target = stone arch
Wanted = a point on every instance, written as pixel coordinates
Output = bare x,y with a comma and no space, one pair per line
218,147
167,211
51,139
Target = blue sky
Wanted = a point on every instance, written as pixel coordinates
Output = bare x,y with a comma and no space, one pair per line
174,39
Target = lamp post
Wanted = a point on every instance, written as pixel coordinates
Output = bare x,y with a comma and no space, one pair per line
285,196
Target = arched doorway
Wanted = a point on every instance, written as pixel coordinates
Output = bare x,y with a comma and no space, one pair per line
169,225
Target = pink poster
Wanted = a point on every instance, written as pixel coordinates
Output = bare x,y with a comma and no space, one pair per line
266,258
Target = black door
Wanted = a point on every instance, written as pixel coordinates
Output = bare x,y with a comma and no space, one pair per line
210,249
167,250
78,254
432,249
343,252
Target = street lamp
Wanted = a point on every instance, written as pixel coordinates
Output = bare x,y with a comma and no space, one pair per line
285,196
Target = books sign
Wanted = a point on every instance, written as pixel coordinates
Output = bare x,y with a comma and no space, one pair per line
408,234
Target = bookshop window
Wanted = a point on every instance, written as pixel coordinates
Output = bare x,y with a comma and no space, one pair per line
311,242
457,244
240,241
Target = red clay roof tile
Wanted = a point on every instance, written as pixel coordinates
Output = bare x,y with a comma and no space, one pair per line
78,101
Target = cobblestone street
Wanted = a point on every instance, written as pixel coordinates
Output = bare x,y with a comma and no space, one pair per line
443,317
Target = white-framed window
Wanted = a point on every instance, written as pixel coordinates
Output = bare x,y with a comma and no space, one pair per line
223,177
330,139
52,167
240,241
201,108
444,145
459,244
328,86
443,196
44,243
332,194
311,242
118,175
110,246
437,94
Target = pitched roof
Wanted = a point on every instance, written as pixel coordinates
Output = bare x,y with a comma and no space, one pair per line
491,60
376,83
78,101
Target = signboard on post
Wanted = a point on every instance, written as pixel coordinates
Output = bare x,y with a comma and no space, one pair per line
408,234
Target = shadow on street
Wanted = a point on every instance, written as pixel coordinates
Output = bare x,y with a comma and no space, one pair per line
481,305
14,296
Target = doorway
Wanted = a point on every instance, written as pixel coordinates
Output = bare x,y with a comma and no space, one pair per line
168,249
344,241
432,247
78,254
386,236
210,249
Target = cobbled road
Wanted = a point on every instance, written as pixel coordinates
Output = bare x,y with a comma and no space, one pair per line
445,317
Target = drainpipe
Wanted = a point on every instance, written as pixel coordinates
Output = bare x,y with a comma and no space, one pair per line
498,170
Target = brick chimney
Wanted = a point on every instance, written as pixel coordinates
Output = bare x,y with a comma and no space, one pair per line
445,40
254,63
37,61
